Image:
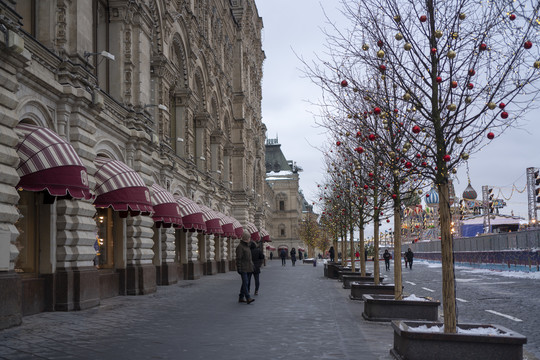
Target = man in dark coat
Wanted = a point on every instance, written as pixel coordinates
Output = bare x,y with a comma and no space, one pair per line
409,255
257,257
283,255
244,266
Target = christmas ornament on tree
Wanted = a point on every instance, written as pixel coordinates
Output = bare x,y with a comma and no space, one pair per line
344,83
490,135
423,18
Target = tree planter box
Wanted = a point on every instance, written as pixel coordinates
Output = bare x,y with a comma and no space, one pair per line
358,289
348,279
334,269
348,272
385,308
424,345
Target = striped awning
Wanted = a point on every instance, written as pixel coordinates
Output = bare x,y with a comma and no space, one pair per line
166,209
48,162
265,236
270,248
253,231
226,223
120,187
192,217
238,229
211,219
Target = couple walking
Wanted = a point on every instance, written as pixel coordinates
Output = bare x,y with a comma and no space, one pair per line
249,259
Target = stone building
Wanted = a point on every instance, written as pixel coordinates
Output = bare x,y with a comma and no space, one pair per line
128,128
286,198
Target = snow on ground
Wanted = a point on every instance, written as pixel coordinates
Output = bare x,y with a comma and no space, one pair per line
471,270
413,297
472,331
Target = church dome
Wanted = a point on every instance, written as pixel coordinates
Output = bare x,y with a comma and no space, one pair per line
432,198
470,193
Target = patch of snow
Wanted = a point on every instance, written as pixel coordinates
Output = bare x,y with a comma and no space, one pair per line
413,297
507,274
471,331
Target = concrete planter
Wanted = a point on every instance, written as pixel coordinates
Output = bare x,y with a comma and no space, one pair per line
349,272
333,270
385,308
417,345
359,289
349,279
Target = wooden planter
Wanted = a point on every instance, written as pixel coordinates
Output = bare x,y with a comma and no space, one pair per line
359,289
414,345
348,279
385,308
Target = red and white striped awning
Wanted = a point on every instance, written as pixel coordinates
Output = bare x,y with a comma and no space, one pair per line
166,209
301,249
238,229
253,231
211,219
192,217
265,236
270,248
120,187
48,162
226,223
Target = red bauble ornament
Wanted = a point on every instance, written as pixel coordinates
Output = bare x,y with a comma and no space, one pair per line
416,129
446,158
380,43
472,72
424,164
396,111
483,47
423,18
439,79
504,114
512,17
338,143
359,149
377,111
394,196
366,187
408,165
527,45
490,135
418,156
371,174
344,83
382,68
358,134
470,86
372,137
454,84
502,105
433,51
427,195
387,220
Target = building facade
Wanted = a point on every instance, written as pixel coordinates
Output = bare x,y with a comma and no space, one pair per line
138,105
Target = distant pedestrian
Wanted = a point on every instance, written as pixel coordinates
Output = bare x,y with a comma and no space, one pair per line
293,256
405,258
357,254
244,266
332,253
283,255
271,255
257,257
409,255
365,254
300,255
386,257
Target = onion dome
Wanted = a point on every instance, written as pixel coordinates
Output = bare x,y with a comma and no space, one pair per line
470,193
432,198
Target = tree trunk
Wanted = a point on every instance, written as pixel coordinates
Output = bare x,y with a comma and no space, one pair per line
351,229
376,268
447,256
398,292
362,252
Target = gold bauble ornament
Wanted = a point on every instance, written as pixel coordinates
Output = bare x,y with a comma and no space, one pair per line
452,107
407,46
491,105
536,64
462,16
399,36
380,54
453,171
397,18
383,77
438,34
459,140
392,154
385,121
365,47
451,54
396,172
407,97
468,100
455,35
420,191
465,156
355,89
347,133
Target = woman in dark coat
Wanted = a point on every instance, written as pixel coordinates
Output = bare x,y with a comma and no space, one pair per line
257,257
293,256
409,255
332,253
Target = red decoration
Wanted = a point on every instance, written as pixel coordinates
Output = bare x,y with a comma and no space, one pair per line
416,129
502,105
380,43
470,86
433,51
372,137
344,83
472,72
382,68
446,158
366,187
359,150
387,220
490,135
423,18
483,47
371,174
377,111
418,156
338,143
504,114
454,84
439,79
427,195
394,196
408,165
527,45
358,134
512,17
424,164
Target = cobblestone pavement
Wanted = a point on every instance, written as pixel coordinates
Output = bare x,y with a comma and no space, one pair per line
298,314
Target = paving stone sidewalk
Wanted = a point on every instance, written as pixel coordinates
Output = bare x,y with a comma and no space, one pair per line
298,314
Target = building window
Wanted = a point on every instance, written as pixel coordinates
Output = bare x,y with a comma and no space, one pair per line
104,244
281,230
281,205
28,242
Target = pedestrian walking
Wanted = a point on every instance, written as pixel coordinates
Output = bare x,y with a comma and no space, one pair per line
405,258
409,255
357,254
244,266
387,257
293,256
257,257
271,255
332,253
283,255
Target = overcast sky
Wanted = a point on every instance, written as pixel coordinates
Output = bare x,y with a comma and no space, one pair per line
295,27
